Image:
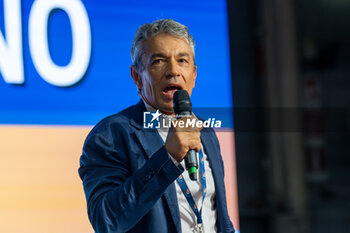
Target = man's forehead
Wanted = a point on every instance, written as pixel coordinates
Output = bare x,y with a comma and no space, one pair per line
161,42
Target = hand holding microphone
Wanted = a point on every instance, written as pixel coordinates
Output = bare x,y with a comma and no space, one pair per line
184,142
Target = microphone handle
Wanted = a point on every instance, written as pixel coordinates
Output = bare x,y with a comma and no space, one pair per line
191,164
191,161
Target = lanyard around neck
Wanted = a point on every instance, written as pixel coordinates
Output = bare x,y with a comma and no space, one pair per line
187,193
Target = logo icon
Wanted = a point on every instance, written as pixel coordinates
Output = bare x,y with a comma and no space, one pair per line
151,120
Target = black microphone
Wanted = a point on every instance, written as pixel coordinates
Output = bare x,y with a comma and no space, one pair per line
182,108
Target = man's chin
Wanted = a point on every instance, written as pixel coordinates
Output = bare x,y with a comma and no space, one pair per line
168,109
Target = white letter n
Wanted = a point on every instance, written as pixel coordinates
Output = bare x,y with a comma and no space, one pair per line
11,57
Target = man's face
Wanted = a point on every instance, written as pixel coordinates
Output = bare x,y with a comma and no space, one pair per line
168,66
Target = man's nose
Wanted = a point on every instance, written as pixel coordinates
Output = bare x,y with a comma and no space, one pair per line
172,69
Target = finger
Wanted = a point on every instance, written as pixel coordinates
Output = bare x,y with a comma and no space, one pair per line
195,144
187,124
198,148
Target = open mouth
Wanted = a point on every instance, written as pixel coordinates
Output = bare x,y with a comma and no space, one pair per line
170,90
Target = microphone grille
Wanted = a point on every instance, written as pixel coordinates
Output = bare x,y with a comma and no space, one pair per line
182,102
181,95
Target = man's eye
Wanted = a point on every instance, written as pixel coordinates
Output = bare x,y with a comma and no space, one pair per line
182,60
157,61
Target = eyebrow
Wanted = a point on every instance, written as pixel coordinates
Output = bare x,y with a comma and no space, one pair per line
157,55
164,56
183,55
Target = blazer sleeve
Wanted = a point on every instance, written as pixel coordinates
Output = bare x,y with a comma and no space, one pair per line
118,196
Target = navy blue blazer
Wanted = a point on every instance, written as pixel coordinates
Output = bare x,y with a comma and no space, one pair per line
128,177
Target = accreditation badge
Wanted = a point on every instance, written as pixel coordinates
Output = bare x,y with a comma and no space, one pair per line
200,228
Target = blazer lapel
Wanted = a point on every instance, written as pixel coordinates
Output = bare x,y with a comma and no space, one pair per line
151,141
214,160
209,148
171,199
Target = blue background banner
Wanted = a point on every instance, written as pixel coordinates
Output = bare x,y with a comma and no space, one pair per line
106,87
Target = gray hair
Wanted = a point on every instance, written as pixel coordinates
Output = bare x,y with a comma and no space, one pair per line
149,30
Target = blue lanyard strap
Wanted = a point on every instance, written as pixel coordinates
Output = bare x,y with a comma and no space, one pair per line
186,191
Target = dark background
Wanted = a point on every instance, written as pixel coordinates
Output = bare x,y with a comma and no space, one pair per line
290,63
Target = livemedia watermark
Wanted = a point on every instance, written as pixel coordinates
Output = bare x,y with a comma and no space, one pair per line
157,120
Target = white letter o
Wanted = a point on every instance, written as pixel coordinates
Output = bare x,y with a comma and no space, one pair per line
81,35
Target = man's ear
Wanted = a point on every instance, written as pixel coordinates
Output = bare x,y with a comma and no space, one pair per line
136,77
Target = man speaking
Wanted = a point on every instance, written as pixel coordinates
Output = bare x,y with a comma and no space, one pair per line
133,177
